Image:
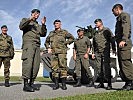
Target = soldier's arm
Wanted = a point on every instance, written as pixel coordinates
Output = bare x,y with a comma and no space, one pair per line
11,49
112,40
74,52
126,27
93,51
93,45
88,48
88,43
24,23
47,42
43,30
69,37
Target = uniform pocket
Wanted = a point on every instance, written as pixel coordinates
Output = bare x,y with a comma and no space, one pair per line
24,54
126,54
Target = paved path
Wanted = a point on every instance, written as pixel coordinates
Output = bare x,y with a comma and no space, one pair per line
15,92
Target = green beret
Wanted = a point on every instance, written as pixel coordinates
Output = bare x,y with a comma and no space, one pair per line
117,5
81,29
3,26
97,20
57,20
35,10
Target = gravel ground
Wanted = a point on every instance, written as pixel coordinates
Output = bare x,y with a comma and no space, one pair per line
15,92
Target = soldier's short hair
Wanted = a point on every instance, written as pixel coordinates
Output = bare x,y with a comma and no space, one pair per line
57,20
117,6
98,20
3,26
79,30
35,10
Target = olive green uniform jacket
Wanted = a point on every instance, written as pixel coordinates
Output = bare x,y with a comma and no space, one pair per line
81,46
6,53
32,32
102,42
57,41
123,33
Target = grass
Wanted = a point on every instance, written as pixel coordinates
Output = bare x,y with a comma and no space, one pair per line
117,95
18,78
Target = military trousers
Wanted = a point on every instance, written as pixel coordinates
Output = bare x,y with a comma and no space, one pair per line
59,65
31,61
102,62
82,62
6,62
125,64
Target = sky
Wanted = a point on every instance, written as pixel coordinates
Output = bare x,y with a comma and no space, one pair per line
70,12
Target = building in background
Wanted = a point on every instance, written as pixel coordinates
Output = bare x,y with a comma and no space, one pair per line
16,66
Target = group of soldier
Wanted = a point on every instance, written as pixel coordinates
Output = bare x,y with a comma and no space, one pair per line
56,44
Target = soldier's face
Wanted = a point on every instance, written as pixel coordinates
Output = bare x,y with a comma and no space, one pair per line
115,12
98,24
4,30
36,15
57,25
80,33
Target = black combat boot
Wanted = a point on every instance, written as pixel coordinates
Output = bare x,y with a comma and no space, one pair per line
27,87
31,83
100,85
78,84
56,83
91,83
7,83
64,84
127,86
109,87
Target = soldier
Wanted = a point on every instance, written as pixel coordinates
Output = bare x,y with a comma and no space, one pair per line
101,52
124,44
56,43
80,55
32,32
6,53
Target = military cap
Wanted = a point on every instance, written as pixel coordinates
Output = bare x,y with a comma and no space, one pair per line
57,20
35,10
117,5
97,20
81,29
3,26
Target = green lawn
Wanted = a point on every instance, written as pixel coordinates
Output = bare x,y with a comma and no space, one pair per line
18,78
117,95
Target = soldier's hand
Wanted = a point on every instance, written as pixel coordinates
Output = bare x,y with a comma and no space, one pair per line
49,50
43,20
122,44
74,57
93,56
86,56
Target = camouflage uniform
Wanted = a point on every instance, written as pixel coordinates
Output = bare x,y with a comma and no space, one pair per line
123,33
32,32
81,45
6,53
101,49
56,40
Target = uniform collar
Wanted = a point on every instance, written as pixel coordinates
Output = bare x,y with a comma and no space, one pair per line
101,29
119,15
5,36
57,30
80,38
